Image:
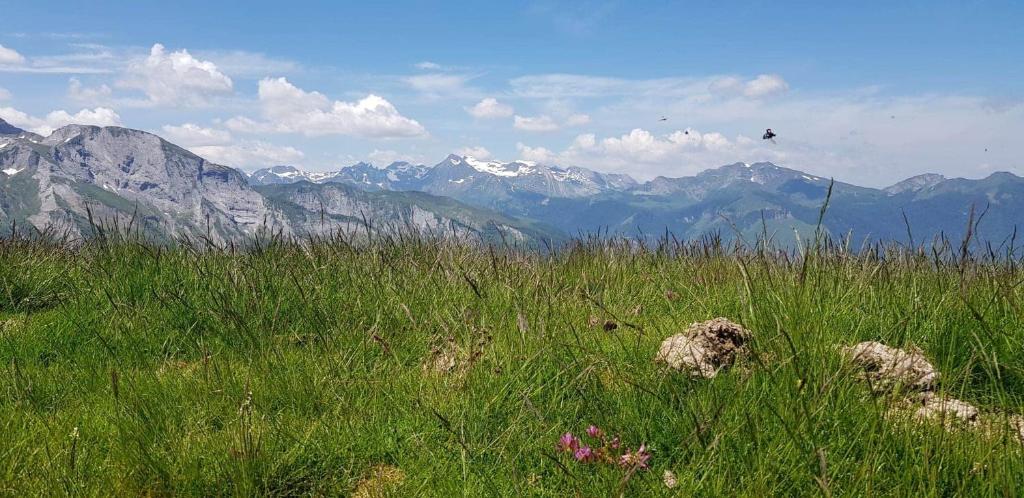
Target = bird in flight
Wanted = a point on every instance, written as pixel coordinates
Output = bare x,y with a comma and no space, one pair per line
769,135
663,118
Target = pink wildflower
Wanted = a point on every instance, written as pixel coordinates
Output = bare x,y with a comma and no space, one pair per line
594,432
584,454
638,459
568,443
615,443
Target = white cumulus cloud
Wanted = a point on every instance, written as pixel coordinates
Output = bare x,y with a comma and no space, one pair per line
490,108
192,135
537,154
643,146
286,108
10,56
765,85
90,95
100,116
249,154
176,78
644,154
477,152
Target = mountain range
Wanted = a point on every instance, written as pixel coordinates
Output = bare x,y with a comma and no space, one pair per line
746,198
80,177
80,174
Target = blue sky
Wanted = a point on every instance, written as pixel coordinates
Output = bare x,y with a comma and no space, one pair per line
867,92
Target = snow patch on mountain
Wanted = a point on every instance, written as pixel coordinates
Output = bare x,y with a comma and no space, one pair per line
496,168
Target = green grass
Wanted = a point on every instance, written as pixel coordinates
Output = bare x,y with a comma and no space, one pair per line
130,369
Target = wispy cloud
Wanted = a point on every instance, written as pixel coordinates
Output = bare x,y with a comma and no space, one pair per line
574,18
244,64
82,59
535,123
428,66
865,139
576,86
53,35
387,156
250,154
545,123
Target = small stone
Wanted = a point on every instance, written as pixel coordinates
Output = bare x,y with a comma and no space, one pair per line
669,478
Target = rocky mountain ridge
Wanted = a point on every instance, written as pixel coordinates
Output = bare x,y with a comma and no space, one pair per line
739,197
81,175
58,182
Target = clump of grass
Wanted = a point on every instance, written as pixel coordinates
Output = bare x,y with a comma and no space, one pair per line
296,367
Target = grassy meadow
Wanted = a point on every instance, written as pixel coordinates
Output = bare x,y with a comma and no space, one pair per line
306,369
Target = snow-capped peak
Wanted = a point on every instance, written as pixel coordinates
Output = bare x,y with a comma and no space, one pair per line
496,168
284,171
